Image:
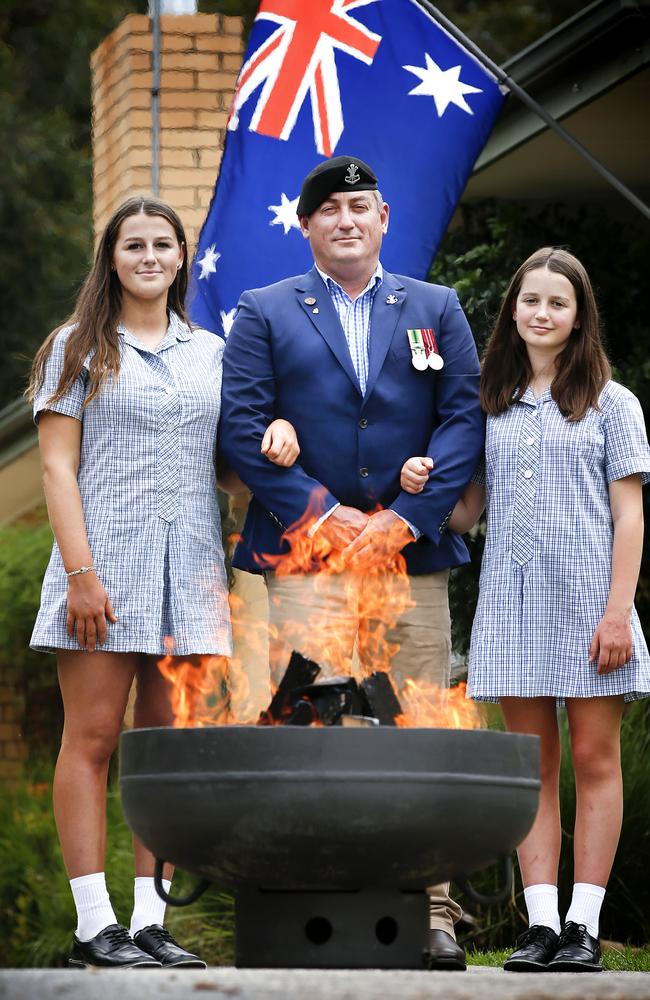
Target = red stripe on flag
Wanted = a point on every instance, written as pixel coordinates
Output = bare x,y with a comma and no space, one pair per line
322,112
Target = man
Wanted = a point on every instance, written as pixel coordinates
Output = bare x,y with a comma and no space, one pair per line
371,368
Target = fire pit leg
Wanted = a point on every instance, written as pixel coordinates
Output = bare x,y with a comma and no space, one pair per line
383,929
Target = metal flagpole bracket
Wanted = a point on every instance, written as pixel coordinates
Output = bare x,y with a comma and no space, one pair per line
530,102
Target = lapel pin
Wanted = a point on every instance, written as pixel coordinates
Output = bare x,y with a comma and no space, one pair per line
391,299
310,301
315,311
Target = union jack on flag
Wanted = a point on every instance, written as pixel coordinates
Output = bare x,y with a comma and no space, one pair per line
377,79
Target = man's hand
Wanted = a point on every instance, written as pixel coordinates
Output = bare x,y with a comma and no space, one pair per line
611,645
342,527
383,537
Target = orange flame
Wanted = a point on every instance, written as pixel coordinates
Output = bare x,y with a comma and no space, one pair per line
215,690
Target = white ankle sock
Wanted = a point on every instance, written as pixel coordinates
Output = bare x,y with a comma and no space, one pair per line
148,907
585,906
94,910
541,903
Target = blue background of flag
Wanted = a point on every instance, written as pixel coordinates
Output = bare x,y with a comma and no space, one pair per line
422,160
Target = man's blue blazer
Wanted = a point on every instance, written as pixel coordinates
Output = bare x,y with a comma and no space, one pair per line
287,356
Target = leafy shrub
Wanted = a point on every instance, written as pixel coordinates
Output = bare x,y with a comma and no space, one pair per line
24,552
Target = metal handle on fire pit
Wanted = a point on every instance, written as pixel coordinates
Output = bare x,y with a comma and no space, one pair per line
493,898
191,897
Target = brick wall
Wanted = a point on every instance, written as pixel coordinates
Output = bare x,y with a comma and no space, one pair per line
200,58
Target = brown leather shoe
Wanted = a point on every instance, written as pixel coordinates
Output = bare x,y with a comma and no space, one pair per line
444,953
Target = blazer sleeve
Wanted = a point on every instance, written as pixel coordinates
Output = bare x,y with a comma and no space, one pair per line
247,408
456,444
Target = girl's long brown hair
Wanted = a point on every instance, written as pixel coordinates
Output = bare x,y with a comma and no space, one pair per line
96,315
582,367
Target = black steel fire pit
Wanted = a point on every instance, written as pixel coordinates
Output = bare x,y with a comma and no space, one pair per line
329,836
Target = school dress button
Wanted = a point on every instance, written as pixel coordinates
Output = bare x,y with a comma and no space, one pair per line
363,423
364,472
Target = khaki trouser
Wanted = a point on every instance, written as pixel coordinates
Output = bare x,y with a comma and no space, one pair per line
322,616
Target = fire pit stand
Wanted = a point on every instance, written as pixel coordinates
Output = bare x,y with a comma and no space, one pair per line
328,930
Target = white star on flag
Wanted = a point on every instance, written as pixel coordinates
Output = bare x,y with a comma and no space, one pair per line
445,86
208,262
285,213
227,320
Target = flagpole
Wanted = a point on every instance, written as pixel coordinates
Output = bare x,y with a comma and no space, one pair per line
155,98
530,102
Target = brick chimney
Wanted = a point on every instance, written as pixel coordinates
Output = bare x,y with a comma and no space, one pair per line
200,58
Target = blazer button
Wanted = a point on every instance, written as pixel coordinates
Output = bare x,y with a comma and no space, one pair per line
363,423
364,472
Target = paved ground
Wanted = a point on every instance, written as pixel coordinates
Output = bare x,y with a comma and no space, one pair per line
281,984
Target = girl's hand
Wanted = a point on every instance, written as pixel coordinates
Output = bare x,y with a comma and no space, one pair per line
89,608
280,443
612,642
415,473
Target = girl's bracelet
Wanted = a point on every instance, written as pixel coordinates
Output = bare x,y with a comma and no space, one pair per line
82,569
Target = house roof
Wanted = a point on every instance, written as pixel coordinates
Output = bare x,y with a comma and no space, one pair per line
592,72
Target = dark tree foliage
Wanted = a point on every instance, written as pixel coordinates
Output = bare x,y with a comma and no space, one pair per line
45,115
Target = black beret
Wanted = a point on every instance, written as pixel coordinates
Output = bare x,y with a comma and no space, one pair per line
343,173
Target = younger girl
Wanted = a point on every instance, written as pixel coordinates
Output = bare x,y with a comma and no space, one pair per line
566,454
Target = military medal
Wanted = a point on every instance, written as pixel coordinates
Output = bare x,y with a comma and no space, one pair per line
434,359
418,351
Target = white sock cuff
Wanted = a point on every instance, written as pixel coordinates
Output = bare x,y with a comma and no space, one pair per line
593,890
147,882
97,878
540,889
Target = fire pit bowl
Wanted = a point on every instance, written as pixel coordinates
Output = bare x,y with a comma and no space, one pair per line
329,808
329,836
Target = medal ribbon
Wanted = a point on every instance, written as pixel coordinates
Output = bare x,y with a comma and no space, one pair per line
429,338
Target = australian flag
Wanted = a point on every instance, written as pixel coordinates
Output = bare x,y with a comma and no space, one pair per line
376,79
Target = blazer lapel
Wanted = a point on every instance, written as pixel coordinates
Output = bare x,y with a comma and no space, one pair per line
324,317
383,322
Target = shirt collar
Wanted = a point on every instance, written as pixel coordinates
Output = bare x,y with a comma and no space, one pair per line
177,331
376,279
533,400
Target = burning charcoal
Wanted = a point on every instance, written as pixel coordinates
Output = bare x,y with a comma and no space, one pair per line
303,714
382,702
300,673
333,697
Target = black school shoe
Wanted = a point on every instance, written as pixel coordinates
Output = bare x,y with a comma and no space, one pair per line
112,948
158,942
535,949
577,951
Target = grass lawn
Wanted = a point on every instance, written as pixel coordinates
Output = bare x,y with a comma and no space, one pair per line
615,960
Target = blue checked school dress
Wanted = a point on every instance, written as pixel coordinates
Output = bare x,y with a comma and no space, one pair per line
545,574
149,494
